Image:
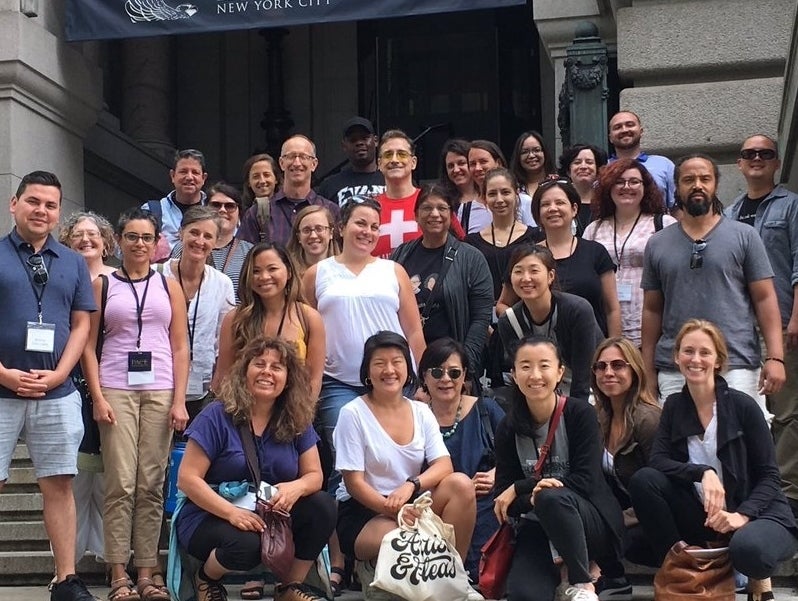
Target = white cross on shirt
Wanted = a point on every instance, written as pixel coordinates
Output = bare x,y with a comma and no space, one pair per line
397,227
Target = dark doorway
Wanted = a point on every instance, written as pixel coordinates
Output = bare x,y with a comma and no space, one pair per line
470,75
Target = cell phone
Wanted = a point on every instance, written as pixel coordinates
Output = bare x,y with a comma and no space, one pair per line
266,491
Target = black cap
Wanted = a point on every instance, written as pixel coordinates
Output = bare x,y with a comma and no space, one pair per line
358,122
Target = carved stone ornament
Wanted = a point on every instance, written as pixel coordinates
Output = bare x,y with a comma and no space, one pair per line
586,77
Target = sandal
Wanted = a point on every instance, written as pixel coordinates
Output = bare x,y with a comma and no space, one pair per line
122,589
339,585
149,590
252,590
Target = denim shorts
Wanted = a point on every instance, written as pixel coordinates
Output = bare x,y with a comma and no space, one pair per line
51,428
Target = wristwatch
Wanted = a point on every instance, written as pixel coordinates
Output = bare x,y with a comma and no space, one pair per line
416,484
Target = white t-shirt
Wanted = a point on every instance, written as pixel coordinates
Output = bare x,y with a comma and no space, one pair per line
362,445
216,298
705,451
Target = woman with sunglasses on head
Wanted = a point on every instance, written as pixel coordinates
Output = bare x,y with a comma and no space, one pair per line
584,267
389,449
713,459
629,210
567,513
452,281
139,394
313,238
544,310
506,231
92,236
628,418
467,424
581,163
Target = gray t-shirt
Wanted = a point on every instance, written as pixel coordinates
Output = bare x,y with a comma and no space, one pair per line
717,291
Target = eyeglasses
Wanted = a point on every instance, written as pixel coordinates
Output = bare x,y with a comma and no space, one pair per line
90,234
525,152
766,154
39,269
632,182
316,229
134,237
293,156
615,364
401,155
427,209
696,258
227,206
452,372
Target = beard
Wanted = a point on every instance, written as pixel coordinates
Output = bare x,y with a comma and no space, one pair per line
697,204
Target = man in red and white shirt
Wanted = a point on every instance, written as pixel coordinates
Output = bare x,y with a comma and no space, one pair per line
396,160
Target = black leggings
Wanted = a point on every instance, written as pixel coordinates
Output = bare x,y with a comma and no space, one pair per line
312,523
577,530
756,549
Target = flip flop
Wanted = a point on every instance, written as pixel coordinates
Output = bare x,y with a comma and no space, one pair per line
252,590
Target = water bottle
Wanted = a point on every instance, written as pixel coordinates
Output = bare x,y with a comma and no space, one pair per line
175,457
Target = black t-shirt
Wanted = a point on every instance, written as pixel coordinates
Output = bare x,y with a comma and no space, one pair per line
583,218
423,266
499,257
342,186
748,209
580,274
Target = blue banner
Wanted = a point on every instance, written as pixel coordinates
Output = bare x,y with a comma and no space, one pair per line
108,19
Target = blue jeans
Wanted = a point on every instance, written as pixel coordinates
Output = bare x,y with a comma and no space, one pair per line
334,395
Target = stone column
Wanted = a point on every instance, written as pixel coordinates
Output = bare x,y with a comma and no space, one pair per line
147,94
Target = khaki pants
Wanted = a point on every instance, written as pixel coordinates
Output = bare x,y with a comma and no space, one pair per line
784,406
135,452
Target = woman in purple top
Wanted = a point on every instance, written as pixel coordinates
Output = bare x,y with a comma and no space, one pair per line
268,390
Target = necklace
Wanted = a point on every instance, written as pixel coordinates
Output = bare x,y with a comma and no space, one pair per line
571,248
457,415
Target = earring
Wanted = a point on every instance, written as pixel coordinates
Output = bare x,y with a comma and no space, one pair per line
367,381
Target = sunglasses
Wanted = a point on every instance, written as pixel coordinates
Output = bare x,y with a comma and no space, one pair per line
39,269
696,258
452,372
134,237
766,154
401,155
227,206
615,364
554,180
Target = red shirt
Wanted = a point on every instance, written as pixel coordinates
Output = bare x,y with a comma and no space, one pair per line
398,224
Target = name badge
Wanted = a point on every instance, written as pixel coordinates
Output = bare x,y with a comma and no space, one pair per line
139,368
625,293
196,387
40,337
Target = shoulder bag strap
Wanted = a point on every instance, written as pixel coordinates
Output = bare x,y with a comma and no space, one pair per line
555,421
466,219
513,319
658,222
98,350
248,442
448,259
484,416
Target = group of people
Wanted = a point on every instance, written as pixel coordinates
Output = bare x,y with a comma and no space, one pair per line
347,341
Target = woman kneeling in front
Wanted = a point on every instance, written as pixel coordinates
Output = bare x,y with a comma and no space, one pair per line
267,389
568,513
383,441
713,459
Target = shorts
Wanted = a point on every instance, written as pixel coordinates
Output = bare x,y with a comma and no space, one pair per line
51,428
352,518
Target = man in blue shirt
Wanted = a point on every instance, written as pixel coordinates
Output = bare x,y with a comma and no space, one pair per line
625,133
47,298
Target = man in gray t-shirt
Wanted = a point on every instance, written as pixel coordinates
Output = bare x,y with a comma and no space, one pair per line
714,268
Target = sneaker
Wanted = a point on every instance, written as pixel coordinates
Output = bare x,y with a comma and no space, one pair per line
71,589
365,573
576,593
614,589
295,591
473,595
209,590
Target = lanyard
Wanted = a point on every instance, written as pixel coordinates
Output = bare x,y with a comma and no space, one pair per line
139,305
230,251
38,292
192,325
618,257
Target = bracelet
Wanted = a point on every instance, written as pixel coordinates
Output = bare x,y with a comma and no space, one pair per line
416,482
775,359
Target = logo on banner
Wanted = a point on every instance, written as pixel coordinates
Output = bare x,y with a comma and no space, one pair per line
157,10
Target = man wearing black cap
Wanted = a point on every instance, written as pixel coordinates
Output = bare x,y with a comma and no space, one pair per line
360,177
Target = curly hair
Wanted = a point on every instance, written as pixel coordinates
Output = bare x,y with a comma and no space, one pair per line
105,227
637,394
602,204
293,408
570,153
295,249
250,314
